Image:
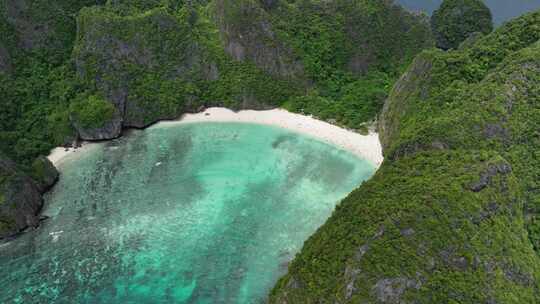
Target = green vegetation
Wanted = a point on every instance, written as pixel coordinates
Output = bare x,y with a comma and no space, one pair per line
167,63
155,59
353,51
39,169
418,225
91,111
20,198
36,90
455,20
360,101
6,224
452,215
85,69
34,116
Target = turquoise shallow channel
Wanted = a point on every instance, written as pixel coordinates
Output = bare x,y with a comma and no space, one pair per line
185,213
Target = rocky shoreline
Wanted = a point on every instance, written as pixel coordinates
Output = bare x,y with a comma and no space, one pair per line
27,191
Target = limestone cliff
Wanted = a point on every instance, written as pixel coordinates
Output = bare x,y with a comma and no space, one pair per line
247,32
451,214
20,195
156,60
39,26
143,64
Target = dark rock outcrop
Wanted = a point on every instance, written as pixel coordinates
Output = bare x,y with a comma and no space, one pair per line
110,130
44,173
151,66
5,60
20,197
488,175
391,290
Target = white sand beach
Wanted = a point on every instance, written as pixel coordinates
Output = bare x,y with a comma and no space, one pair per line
61,154
365,146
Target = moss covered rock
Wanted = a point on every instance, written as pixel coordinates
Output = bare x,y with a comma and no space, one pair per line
248,34
95,118
44,173
47,27
456,20
484,96
145,64
20,199
422,231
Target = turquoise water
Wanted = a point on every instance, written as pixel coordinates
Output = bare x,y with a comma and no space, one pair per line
196,213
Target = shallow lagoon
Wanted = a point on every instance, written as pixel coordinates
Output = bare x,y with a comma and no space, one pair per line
195,213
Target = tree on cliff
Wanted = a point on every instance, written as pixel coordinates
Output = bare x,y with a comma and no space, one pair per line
456,20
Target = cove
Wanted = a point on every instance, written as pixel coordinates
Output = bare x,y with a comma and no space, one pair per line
192,213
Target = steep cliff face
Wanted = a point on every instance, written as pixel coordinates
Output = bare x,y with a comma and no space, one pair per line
457,86
155,60
159,63
45,26
382,35
95,118
20,195
247,32
110,129
36,41
443,219
144,64
490,102
44,173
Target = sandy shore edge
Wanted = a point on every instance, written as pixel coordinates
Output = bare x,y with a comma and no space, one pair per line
60,154
367,147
